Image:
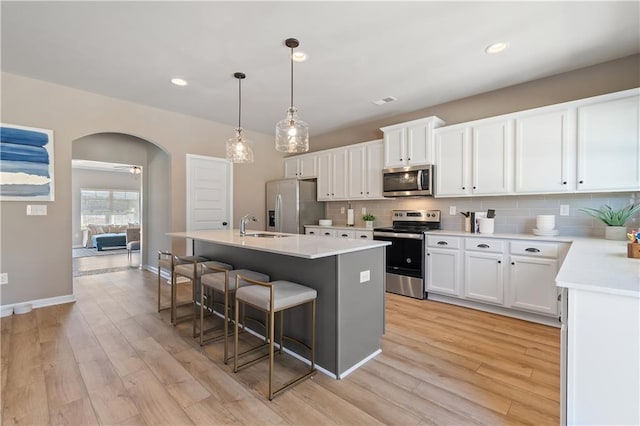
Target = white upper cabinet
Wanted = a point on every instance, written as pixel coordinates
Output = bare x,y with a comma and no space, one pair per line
474,159
542,152
365,171
609,145
332,175
301,167
410,143
452,149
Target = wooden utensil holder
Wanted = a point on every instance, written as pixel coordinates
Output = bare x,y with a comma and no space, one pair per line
633,250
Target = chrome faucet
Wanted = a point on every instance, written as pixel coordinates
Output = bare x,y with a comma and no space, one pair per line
243,223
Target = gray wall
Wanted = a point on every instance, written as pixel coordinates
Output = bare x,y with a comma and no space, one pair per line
45,241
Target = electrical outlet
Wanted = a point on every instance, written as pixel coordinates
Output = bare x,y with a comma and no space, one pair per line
341,210
452,210
365,276
364,211
4,278
564,209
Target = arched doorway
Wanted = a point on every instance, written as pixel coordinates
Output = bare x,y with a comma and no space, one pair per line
122,151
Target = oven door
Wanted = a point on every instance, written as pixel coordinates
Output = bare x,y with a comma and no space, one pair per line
405,263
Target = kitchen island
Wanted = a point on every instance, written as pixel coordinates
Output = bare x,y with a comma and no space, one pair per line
600,343
347,274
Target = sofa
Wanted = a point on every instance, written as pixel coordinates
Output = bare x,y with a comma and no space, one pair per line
106,236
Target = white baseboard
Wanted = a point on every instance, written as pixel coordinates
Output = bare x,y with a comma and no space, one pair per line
40,303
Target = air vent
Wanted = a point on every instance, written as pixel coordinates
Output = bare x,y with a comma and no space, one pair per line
385,100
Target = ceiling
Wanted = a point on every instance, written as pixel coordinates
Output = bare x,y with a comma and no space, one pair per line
422,53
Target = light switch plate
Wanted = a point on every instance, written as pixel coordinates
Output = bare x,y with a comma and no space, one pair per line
365,276
564,209
4,278
364,211
452,210
36,210
341,210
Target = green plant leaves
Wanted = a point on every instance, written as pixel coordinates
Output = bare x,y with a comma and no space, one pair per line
611,216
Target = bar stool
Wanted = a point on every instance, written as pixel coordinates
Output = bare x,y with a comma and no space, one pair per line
220,280
190,268
273,297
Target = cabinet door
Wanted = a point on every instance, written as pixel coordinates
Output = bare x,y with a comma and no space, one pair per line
324,177
419,149
452,162
373,170
492,162
312,231
339,175
308,167
394,148
344,233
364,235
357,167
290,167
542,149
609,146
532,285
484,277
443,271
327,232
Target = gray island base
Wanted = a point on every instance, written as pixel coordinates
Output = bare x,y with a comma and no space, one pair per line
347,274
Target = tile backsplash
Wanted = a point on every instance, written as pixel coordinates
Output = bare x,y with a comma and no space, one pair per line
514,214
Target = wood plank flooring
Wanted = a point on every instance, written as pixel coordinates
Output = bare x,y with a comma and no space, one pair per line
110,358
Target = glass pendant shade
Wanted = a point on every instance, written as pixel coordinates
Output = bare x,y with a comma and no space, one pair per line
292,134
239,149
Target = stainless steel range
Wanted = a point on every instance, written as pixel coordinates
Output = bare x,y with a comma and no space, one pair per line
406,266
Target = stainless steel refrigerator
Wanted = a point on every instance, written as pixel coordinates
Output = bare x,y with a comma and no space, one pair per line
291,204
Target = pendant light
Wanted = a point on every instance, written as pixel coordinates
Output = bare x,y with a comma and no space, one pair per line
239,148
292,134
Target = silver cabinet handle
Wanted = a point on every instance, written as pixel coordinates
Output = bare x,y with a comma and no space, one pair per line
532,250
483,246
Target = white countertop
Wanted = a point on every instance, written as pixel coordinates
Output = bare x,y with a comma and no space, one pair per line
557,238
298,245
601,266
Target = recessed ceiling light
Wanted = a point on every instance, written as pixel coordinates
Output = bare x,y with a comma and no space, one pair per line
496,47
179,82
300,56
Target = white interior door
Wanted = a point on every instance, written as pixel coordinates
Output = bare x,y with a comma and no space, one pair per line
209,194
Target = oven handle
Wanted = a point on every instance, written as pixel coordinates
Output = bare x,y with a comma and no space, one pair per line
397,235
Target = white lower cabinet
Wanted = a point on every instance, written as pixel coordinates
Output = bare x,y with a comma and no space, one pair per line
484,269
511,275
444,267
339,232
532,284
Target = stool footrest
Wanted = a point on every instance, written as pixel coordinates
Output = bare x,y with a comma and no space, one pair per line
292,383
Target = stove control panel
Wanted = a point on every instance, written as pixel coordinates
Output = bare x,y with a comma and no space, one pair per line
416,215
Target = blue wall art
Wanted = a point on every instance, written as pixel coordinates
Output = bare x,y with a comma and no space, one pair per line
26,164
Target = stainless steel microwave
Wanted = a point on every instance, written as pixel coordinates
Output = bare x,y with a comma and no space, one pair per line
407,181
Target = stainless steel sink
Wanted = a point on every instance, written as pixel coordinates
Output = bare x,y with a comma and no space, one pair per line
263,235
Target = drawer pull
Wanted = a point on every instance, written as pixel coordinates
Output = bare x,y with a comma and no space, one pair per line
327,233
311,232
483,246
363,236
443,243
532,250
344,235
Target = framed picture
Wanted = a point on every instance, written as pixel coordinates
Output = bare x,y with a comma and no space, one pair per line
26,164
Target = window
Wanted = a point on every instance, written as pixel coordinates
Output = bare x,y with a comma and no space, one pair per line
109,207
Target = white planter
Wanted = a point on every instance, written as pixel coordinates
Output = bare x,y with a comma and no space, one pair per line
618,233
368,223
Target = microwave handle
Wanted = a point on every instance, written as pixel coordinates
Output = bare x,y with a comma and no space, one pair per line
419,179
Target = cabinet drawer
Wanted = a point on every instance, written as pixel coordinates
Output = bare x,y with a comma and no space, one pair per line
326,232
364,235
534,248
443,241
342,233
312,231
484,244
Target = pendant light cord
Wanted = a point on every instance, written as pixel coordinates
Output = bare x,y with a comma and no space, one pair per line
239,101
291,58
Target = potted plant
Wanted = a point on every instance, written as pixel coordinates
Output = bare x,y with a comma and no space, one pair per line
614,219
368,220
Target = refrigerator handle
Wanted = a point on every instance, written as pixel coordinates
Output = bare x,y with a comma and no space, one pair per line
279,213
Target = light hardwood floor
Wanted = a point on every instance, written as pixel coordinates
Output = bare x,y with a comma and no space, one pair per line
110,358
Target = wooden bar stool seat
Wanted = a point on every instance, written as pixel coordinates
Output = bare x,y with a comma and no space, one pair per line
271,298
190,268
223,281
